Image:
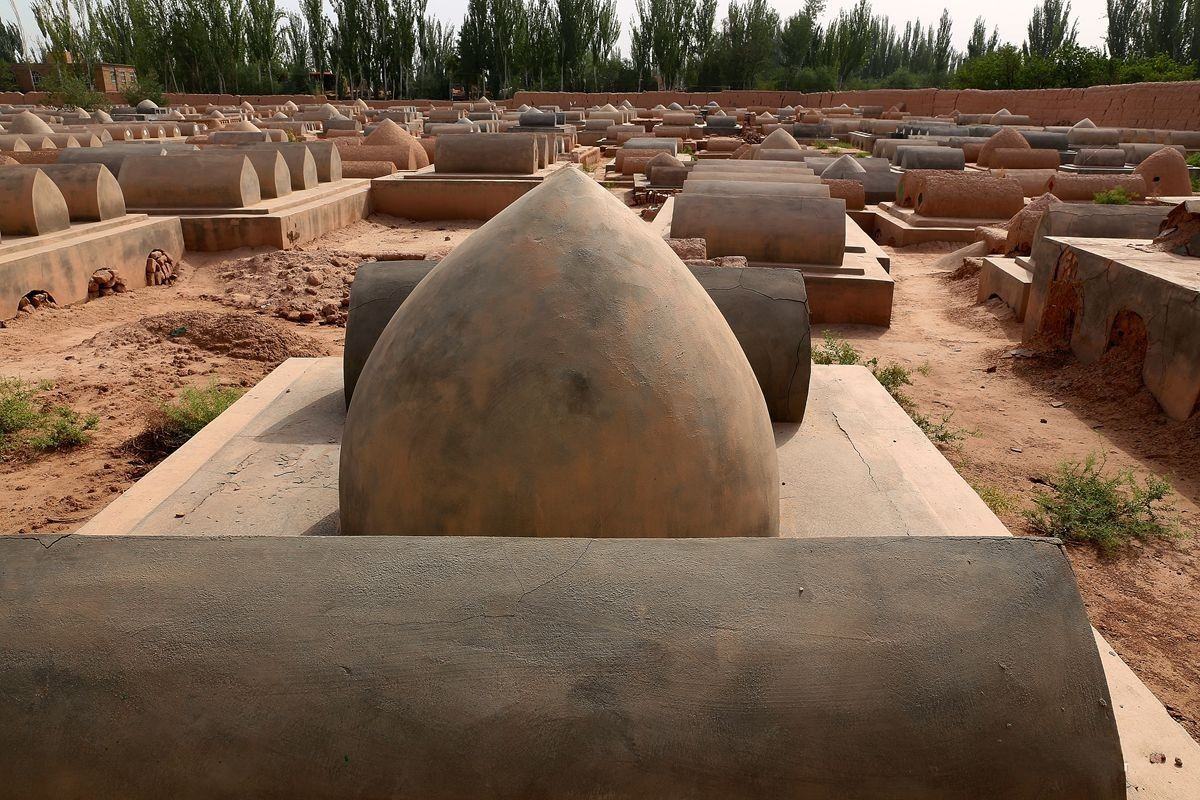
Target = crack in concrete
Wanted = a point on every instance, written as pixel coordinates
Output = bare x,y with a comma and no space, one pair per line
871,475
56,540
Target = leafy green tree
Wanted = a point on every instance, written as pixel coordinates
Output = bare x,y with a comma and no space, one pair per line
1051,27
1124,24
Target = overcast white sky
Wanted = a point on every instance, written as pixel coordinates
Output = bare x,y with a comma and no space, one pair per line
1010,15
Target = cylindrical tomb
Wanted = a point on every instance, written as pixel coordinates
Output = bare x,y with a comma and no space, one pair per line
775,230
194,181
442,668
487,153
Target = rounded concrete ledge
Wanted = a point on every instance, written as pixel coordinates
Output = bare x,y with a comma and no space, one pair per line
963,195
1025,158
13,142
89,190
766,308
1065,186
487,153
444,668
329,161
784,230
194,181
111,156
30,203
518,390
934,158
302,167
751,177
1100,157
274,180
367,169
239,137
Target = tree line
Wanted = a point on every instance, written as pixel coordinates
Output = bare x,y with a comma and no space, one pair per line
396,48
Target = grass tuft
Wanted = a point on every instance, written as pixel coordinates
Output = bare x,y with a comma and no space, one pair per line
177,421
1111,512
29,423
894,378
1116,196
995,499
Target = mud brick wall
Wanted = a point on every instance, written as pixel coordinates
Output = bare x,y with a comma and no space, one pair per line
1136,105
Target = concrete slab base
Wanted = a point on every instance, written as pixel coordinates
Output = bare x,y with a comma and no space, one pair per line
62,263
857,467
899,231
280,222
859,292
1008,279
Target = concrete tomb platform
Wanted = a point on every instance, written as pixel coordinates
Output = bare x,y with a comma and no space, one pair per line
897,226
268,466
1007,278
429,195
509,668
62,262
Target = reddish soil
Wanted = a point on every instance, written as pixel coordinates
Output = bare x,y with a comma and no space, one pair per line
122,356
1029,412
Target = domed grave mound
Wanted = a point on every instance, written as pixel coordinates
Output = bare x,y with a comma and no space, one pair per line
560,373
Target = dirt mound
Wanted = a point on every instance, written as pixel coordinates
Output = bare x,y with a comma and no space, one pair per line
243,336
298,285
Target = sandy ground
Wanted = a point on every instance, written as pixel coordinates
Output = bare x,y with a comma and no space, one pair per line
121,356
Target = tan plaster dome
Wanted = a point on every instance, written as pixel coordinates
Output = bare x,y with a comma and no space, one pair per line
560,373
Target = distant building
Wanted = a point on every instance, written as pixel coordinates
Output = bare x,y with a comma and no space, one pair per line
105,77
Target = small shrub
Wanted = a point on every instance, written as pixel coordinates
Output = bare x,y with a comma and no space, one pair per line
67,88
1193,160
62,428
29,423
1196,184
177,421
1116,196
1108,511
18,406
835,351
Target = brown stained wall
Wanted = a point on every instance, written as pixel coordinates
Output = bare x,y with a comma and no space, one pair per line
1135,105
1149,105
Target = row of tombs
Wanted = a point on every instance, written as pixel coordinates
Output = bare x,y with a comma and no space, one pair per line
636,546
114,207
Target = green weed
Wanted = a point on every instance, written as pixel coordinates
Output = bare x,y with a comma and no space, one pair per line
995,499
1116,196
1085,505
835,351
29,423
